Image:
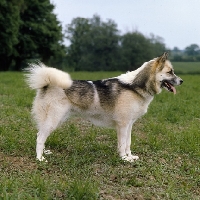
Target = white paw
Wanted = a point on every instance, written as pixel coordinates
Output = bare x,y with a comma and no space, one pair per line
47,152
42,159
130,158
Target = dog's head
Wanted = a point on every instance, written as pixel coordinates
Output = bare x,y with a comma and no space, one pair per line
165,77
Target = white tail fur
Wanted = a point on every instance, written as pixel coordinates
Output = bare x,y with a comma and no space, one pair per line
39,76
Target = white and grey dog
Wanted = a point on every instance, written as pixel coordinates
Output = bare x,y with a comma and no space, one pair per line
115,102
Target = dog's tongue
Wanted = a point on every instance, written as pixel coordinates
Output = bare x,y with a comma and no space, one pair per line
173,88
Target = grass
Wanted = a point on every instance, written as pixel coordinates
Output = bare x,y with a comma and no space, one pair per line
85,164
187,67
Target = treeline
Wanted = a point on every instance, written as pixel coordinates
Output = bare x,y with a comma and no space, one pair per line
98,45
189,54
30,31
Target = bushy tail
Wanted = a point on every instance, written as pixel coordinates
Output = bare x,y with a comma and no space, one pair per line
39,76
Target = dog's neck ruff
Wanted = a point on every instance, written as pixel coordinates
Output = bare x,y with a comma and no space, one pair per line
130,76
140,80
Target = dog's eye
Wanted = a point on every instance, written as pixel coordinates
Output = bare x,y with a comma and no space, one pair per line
170,72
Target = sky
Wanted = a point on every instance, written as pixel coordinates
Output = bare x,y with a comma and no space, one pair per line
176,21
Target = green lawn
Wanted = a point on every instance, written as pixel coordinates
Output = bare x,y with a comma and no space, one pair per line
85,164
187,67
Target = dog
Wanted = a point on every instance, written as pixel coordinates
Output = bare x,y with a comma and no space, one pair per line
115,102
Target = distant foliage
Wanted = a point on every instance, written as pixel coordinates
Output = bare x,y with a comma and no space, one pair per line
98,46
93,44
136,48
189,54
30,31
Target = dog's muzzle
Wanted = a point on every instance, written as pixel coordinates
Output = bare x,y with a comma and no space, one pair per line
169,84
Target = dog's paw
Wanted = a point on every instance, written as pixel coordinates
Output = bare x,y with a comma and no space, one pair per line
130,158
42,159
47,152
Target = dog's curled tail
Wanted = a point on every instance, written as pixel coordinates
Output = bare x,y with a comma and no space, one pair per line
39,76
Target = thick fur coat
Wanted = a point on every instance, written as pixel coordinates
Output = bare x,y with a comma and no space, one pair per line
115,102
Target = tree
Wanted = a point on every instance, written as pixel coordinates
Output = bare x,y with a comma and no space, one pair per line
40,33
158,45
76,33
9,23
192,50
30,31
94,44
97,45
135,49
176,54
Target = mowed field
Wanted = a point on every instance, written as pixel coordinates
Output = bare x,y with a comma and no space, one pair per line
187,67
85,163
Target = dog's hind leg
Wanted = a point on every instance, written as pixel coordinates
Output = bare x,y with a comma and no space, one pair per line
55,117
42,135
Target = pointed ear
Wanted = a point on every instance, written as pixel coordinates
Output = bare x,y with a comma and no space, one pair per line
159,62
162,58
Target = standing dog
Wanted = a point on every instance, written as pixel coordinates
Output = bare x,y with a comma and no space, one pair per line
115,102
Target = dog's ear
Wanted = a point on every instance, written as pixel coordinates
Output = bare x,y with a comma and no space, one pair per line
159,62
162,58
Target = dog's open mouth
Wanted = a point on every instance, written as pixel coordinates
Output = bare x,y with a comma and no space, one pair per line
168,86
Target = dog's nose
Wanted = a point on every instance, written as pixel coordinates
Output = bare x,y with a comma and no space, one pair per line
181,81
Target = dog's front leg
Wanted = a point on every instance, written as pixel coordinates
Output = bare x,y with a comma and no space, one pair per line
121,137
124,142
129,155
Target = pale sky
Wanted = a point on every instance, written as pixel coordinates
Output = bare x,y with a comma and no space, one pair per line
176,21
